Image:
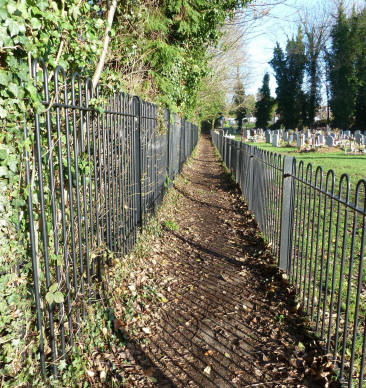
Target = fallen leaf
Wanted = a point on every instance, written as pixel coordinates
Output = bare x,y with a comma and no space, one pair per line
149,371
207,370
90,373
118,324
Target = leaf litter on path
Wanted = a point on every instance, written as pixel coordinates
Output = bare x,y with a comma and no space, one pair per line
223,315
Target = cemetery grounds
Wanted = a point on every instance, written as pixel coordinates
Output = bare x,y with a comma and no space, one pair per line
329,231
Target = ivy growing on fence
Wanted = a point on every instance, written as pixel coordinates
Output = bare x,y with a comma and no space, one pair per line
158,50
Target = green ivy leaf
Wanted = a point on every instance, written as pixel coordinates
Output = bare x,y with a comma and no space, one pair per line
18,203
3,14
53,287
12,164
58,297
13,27
4,171
62,365
36,23
49,297
14,88
11,7
4,151
3,112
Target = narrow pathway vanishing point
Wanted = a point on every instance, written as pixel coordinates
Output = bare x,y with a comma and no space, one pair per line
229,319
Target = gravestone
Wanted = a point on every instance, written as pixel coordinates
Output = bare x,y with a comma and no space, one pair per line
300,140
285,136
329,141
319,139
268,137
360,139
290,138
357,132
275,140
313,141
347,133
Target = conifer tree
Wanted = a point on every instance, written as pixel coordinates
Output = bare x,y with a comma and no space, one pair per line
289,73
360,67
239,100
264,105
342,74
314,41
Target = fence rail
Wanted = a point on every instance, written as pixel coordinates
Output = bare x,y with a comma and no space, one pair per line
96,167
316,227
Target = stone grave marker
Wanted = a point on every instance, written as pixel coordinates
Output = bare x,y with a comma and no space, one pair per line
329,141
268,137
319,139
360,139
275,140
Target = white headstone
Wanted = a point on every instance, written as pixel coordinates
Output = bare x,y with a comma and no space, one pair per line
319,139
275,140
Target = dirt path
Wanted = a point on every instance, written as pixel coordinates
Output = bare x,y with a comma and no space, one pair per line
227,319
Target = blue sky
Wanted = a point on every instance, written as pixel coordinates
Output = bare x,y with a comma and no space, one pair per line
281,22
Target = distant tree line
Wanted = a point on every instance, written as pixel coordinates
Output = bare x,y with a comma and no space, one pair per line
339,57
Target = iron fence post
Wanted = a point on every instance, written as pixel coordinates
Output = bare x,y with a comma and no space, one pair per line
168,145
237,160
287,214
138,164
251,179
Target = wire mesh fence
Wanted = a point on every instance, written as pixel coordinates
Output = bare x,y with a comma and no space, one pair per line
97,165
316,227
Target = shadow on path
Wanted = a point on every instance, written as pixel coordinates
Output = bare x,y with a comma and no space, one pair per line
227,321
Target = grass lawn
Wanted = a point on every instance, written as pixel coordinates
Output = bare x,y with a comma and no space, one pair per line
339,161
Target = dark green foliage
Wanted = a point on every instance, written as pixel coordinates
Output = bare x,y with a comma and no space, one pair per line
360,64
342,74
264,105
239,101
157,49
289,72
312,96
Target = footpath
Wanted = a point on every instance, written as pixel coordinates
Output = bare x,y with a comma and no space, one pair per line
230,317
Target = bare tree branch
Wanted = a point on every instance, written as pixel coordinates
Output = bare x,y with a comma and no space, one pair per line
99,69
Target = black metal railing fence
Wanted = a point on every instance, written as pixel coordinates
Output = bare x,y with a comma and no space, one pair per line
316,227
97,167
